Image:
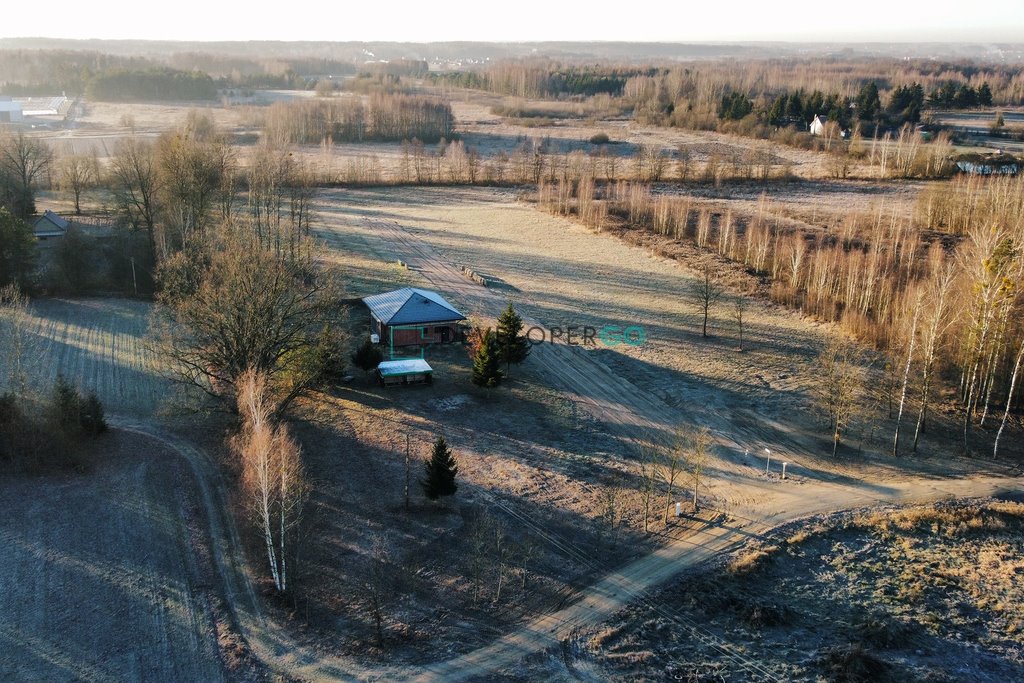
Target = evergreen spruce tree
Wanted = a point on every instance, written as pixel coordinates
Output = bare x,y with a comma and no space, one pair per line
65,407
513,346
440,472
368,356
486,369
90,415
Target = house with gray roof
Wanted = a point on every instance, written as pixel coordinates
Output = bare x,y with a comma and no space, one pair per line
413,317
49,225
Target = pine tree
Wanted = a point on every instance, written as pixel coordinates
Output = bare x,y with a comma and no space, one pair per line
513,346
367,356
90,415
486,371
65,406
440,472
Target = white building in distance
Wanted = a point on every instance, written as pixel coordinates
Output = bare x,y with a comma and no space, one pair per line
10,111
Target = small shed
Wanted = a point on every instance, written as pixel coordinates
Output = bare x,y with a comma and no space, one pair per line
405,371
413,317
49,225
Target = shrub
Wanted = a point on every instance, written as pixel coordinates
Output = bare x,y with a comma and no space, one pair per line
599,139
90,415
368,356
853,663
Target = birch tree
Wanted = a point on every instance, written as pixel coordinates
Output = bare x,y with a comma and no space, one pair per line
1009,398
911,343
272,474
938,319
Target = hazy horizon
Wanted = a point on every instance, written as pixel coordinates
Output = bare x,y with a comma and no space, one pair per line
529,21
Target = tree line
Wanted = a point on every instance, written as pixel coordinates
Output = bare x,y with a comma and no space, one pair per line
947,311
384,118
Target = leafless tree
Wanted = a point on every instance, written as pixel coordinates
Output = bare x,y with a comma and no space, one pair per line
1009,398
938,319
699,452
840,386
14,340
77,173
739,310
242,305
673,465
648,465
24,160
916,302
380,585
706,293
135,183
272,474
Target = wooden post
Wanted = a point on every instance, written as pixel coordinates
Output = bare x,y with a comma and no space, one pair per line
407,463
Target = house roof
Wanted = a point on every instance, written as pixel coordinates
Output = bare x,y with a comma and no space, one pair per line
49,224
820,118
411,306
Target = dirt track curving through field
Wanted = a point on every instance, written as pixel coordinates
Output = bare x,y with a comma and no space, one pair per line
631,584
633,415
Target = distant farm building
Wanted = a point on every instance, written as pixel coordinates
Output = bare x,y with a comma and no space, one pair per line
49,226
988,164
818,124
44,106
413,317
10,111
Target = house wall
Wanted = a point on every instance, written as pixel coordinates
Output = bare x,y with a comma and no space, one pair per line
433,334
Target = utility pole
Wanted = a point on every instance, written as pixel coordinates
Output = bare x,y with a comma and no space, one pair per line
407,472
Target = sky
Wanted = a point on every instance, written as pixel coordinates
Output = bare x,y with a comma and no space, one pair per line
522,20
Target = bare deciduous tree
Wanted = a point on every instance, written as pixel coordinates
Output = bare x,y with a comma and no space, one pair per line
699,453
649,465
272,474
916,302
243,306
23,161
135,184
76,174
14,340
706,293
739,310
673,466
840,387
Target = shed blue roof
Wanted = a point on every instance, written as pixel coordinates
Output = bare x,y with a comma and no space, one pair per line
411,306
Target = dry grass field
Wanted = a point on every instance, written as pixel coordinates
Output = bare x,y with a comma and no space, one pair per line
539,455
98,344
106,575
926,593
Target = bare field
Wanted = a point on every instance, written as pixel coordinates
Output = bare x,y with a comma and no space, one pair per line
924,593
106,576
561,274
102,124
97,344
538,456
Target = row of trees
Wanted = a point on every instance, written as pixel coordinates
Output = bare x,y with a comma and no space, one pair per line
937,311
384,117
180,75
